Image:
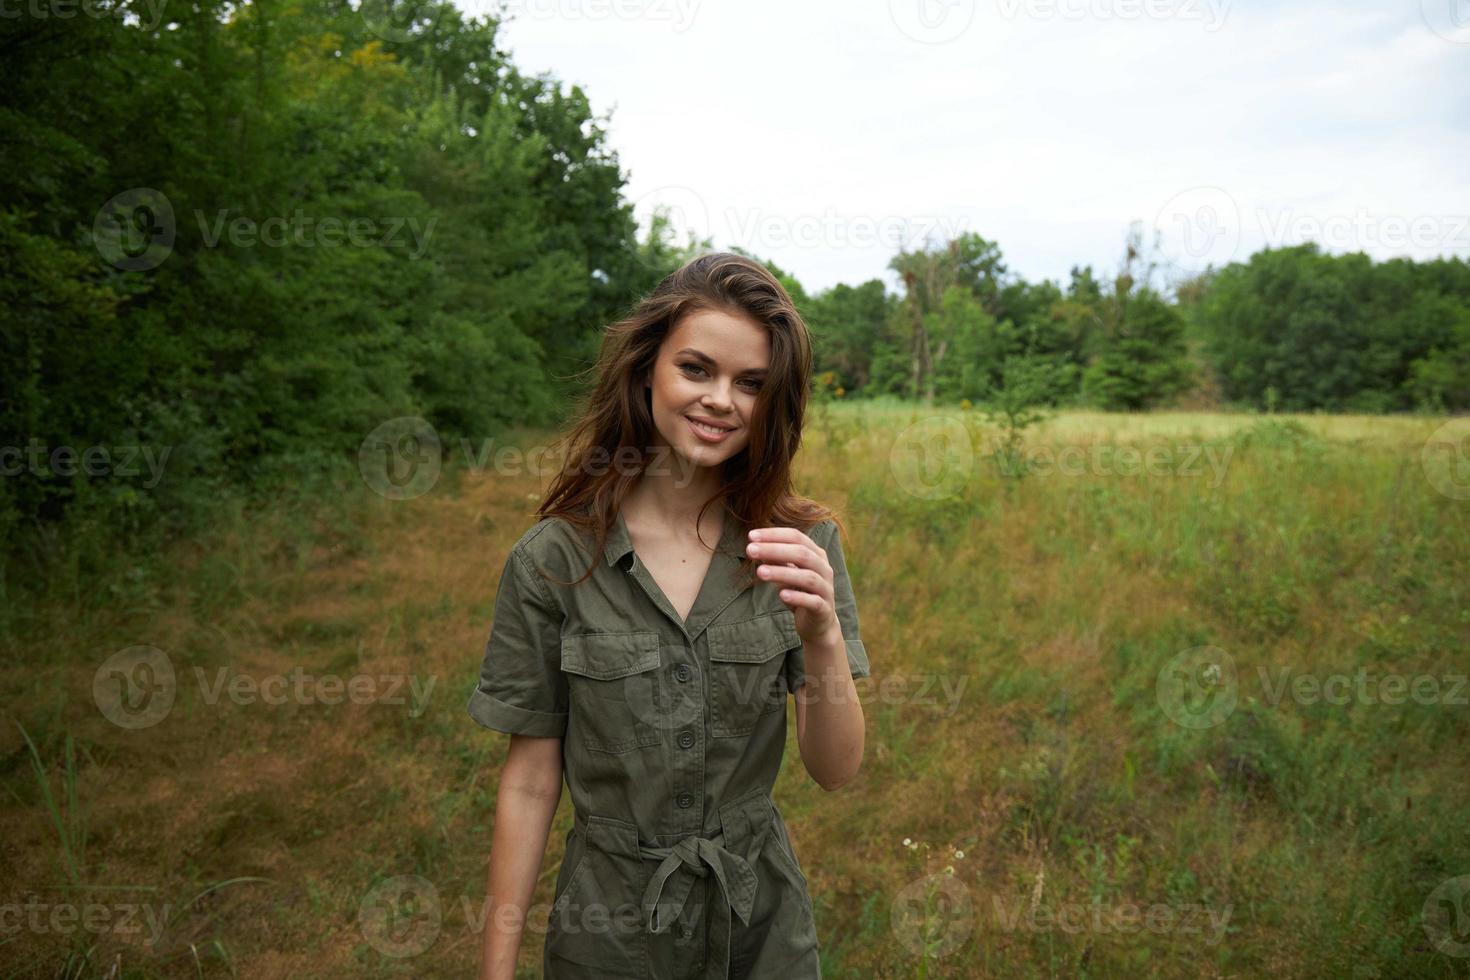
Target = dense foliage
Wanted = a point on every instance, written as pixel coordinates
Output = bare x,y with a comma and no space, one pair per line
1298,329
249,234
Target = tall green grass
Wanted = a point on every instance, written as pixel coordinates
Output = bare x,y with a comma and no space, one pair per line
1050,604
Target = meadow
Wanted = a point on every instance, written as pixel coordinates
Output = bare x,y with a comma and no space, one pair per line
1166,694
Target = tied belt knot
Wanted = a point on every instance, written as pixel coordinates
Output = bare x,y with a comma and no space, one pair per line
700,857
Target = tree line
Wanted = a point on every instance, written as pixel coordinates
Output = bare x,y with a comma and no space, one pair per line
1290,329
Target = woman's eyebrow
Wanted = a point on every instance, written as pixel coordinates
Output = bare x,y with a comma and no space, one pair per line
705,358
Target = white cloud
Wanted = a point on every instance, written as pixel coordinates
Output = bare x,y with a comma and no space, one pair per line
799,128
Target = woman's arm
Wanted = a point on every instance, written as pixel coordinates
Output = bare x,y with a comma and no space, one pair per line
828,705
816,586
530,789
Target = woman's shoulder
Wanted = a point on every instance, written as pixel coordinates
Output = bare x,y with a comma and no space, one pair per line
813,518
552,539
823,531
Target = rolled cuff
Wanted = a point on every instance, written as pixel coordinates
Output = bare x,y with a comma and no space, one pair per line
857,663
502,717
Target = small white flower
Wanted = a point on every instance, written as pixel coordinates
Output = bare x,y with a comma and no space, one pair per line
907,841
959,854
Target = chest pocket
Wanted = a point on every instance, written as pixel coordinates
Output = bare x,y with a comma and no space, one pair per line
613,679
746,664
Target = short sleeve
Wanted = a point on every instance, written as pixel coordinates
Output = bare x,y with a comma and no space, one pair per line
522,690
847,614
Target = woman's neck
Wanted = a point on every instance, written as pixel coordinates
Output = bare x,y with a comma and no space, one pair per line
658,500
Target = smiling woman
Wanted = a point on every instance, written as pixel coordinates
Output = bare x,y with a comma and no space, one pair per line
714,394
650,670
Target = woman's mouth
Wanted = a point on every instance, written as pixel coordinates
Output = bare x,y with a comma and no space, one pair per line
707,433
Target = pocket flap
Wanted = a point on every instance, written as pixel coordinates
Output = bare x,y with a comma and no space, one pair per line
754,641
608,656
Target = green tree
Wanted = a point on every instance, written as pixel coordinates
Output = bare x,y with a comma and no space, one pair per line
847,324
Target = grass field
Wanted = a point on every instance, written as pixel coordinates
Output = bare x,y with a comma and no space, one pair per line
1185,691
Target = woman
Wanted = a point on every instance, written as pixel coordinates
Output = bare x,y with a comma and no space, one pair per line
652,671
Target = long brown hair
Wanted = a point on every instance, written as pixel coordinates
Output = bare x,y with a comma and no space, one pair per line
613,420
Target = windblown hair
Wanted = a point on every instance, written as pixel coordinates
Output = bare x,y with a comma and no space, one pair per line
611,440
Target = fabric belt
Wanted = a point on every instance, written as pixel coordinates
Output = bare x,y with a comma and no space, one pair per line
725,855
699,856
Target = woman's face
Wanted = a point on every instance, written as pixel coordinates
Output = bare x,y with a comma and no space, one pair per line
709,368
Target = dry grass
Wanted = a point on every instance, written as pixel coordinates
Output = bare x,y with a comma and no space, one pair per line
1017,629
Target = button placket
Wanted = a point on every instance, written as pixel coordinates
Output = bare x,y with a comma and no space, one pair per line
688,764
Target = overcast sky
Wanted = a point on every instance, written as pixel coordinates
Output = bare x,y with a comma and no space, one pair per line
825,135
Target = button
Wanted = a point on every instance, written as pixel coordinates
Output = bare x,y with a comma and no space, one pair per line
686,739
686,930
683,672
685,799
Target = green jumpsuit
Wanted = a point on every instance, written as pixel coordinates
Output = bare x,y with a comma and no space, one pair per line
678,863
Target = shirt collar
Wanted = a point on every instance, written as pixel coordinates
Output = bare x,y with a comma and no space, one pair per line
618,543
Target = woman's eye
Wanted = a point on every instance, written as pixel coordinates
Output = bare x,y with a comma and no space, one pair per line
751,384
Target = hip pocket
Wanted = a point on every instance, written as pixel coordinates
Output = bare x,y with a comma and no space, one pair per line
597,922
779,842
573,861
782,938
